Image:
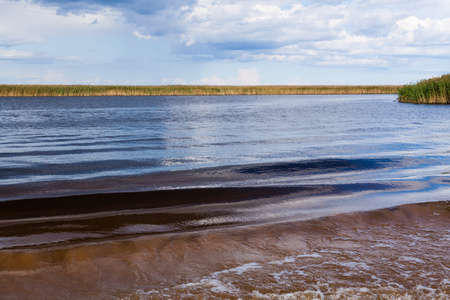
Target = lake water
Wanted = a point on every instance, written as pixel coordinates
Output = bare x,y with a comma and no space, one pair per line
224,196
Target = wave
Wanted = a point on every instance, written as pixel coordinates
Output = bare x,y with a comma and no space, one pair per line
33,181
398,252
319,166
92,203
190,200
92,217
74,169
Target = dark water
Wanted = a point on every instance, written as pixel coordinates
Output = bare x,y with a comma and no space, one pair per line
239,196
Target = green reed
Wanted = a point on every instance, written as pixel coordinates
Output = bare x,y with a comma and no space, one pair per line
433,91
109,90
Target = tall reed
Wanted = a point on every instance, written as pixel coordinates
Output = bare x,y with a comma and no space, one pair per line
106,90
432,91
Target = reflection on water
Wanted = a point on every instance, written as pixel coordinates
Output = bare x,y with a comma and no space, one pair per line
50,139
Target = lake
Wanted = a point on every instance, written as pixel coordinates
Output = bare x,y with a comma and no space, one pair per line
224,196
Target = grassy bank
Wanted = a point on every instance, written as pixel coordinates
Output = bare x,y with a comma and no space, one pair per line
432,91
169,90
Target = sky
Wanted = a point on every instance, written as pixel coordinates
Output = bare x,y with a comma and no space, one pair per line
223,42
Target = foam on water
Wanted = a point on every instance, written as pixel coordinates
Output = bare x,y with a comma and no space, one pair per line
343,256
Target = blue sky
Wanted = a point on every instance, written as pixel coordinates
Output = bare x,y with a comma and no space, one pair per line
228,42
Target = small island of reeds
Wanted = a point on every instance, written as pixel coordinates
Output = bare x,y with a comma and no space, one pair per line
431,91
188,90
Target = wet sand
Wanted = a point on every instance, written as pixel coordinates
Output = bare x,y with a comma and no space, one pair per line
396,253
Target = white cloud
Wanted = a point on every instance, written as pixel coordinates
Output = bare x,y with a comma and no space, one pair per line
365,33
214,80
141,36
53,76
245,77
28,22
412,23
10,54
356,34
173,81
46,77
30,56
264,22
415,31
248,76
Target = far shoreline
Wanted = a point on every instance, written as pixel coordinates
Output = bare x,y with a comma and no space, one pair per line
190,90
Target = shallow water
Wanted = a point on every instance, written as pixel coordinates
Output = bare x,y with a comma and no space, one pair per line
262,197
399,253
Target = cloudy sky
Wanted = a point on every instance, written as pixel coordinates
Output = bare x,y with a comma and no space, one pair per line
154,42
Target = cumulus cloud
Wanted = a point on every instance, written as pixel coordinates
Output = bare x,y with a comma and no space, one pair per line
413,30
360,33
236,25
357,33
365,33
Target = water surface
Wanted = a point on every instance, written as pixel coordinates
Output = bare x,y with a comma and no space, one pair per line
170,192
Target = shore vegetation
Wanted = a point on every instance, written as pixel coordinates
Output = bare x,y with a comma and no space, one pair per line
175,90
432,91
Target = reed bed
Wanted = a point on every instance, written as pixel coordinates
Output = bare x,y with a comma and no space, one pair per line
173,90
431,91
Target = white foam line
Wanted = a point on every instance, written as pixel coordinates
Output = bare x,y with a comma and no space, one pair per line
412,259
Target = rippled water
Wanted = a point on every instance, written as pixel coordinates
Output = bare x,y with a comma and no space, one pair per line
47,139
214,197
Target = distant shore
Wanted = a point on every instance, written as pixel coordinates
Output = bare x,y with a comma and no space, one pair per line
190,90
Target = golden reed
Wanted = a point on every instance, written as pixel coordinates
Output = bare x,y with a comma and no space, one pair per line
178,90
